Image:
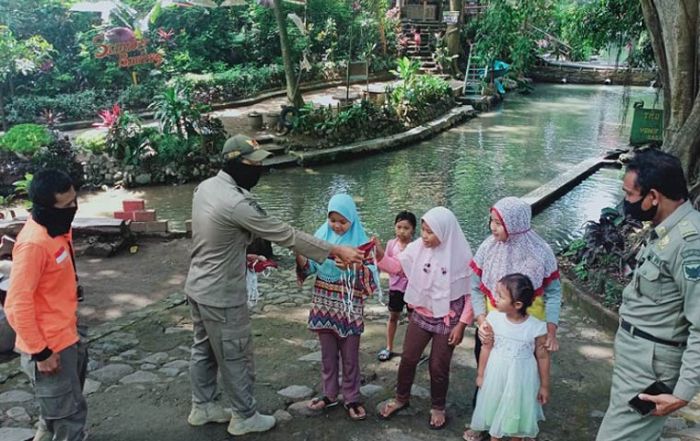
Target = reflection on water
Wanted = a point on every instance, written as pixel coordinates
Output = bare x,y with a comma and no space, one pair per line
562,221
527,142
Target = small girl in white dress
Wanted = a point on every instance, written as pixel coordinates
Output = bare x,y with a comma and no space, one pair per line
513,374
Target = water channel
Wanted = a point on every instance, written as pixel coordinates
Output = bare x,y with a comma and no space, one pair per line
528,141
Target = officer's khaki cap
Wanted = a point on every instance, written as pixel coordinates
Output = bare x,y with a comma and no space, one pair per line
244,147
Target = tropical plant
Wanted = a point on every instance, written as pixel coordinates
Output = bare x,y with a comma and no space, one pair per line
124,137
92,141
25,139
407,70
22,57
109,117
610,243
176,110
61,155
22,185
50,118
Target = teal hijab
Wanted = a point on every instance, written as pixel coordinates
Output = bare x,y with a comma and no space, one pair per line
355,236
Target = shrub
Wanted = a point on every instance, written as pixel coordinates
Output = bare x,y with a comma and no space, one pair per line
61,155
139,96
93,141
73,106
355,123
236,83
25,139
177,110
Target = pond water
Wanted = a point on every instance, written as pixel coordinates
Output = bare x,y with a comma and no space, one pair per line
526,142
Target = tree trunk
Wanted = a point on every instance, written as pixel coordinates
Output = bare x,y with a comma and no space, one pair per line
293,92
454,45
675,37
3,119
382,30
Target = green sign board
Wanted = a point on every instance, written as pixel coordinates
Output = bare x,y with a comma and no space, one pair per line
647,125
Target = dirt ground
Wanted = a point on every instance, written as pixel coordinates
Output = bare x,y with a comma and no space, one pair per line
158,408
118,285
124,283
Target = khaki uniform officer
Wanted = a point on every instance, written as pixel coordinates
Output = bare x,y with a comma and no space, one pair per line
659,334
225,219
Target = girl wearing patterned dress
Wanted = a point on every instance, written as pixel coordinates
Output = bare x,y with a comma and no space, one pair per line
513,374
436,266
337,306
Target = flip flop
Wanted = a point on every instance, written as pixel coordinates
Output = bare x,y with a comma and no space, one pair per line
470,435
434,427
327,403
355,408
384,355
396,409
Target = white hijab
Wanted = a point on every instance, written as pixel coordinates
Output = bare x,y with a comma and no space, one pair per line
437,276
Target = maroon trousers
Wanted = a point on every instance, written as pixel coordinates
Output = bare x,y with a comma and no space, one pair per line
439,365
334,349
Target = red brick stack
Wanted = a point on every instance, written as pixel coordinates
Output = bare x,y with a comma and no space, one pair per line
142,220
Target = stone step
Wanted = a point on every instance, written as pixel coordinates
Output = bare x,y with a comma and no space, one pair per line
275,149
280,160
266,138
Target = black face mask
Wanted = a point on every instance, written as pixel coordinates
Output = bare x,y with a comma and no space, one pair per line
635,211
56,220
246,176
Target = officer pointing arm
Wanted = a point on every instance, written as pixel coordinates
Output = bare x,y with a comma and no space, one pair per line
225,219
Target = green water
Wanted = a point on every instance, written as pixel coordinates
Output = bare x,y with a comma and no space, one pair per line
526,142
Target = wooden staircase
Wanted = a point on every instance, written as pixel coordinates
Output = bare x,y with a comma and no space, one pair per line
422,53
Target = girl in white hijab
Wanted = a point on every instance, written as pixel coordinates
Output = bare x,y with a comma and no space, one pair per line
436,266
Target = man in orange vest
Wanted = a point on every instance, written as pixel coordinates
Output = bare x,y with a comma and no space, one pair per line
42,304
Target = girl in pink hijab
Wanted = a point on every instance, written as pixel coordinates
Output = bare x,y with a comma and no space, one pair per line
437,268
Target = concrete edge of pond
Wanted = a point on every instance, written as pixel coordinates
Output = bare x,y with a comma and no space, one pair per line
419,133
605,317
549,192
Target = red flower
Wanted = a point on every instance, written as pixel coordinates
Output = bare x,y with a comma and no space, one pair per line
165,35
109,117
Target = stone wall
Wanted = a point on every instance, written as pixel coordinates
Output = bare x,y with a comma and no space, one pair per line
557,74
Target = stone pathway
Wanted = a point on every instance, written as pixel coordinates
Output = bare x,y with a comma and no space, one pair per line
138,384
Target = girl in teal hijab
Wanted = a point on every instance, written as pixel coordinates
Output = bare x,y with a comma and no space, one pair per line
337,306
344,205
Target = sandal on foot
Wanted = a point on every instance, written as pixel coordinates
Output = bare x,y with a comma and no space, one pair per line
354,408
384,355
471,435
396,406
327,403
438,427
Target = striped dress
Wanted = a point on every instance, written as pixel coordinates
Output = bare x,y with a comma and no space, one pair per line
329,305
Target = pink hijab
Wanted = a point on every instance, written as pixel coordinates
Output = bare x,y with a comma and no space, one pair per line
437,276
524,251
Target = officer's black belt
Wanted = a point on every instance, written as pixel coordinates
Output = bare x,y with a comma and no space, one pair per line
646,336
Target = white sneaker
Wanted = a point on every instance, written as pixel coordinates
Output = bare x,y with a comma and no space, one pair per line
42,432
256,423
203,413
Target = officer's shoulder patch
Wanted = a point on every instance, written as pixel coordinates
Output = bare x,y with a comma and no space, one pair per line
689,253
687,230
253,203
691,270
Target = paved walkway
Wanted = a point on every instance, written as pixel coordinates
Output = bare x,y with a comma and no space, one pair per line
138,385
